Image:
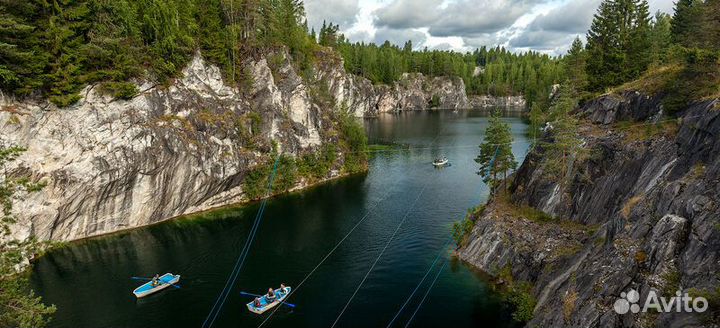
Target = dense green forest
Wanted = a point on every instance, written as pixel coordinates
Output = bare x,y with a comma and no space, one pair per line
675,57
55,47
499,71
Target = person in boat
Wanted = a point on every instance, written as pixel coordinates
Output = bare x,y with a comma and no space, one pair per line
283,288
270,297
155,280
257,302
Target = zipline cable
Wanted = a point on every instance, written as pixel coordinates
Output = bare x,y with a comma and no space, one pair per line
407,213
338,244
426,294
432,265
372,209
217,307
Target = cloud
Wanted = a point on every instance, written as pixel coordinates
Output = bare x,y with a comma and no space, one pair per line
541,40
573,17
401,14
468,18
463,18
399,37
341,12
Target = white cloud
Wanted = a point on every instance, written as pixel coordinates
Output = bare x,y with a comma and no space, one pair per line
341,12
542,25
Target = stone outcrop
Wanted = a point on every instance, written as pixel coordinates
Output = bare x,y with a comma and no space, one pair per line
509,103
639,211
112,164
414,91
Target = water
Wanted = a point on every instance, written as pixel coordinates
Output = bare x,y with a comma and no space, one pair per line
90,281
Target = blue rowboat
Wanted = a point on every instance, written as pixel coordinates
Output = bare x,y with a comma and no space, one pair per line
280,295
165,281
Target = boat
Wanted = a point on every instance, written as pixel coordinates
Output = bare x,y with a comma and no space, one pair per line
440,161
280,295
165,281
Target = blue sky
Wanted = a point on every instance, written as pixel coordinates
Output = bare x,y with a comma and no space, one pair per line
543,25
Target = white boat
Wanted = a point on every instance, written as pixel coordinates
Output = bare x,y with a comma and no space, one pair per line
164,281
440,161
265,304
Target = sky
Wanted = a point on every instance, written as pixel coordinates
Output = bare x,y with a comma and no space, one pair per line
547,26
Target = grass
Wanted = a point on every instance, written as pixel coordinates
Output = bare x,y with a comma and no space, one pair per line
630,205
655,80
528,212
638,133
569,303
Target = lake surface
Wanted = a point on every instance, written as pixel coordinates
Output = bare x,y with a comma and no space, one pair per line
90,283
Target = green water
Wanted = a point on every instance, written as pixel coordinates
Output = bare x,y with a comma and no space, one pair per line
89,281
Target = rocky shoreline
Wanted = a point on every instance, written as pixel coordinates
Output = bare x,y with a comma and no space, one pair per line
639,212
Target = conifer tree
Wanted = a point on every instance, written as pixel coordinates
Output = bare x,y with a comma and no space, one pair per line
575,62
618,43
496,156
686,22
660,37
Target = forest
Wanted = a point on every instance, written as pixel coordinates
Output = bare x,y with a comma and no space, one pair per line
54,48
486,71
627,50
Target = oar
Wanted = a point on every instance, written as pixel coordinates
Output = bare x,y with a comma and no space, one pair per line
256,295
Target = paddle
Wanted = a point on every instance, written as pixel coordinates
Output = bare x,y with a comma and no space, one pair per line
256,295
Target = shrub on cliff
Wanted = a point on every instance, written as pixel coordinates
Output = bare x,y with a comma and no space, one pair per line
19,305
353,141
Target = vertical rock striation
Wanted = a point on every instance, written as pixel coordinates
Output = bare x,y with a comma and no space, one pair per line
640,211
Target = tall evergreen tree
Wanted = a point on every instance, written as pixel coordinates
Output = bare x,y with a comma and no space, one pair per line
496,156
618,43
660,37
685,21
574,63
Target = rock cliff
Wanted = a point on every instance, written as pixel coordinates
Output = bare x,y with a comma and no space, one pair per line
640,211
170,150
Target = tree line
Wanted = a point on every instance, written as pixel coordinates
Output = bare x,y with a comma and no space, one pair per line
54,48
485,71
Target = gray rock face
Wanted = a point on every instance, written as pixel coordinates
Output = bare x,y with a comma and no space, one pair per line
641,211
414,91
115,164
510,103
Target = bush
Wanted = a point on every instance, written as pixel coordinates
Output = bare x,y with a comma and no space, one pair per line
354,140
65,100
120,90
316,166
520,296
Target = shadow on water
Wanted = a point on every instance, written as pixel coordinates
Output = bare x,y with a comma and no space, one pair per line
90,281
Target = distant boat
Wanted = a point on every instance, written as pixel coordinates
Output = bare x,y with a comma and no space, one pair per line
280,295
164,281
440,162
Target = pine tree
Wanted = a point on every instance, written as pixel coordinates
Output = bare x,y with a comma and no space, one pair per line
566,144
685,22
496,156
639,45
618,43
574,63
709,32
660,37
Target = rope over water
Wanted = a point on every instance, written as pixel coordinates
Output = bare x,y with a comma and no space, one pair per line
217,307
